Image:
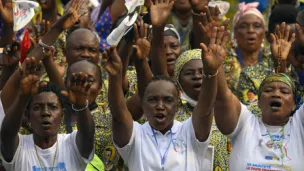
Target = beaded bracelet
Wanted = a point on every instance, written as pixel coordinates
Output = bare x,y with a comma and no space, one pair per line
210,76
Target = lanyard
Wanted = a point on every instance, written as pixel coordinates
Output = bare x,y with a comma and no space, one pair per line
280,143
162,157
241,58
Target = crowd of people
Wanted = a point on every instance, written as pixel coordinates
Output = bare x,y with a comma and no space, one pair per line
154,85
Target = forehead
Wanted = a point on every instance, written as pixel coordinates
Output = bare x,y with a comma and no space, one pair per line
193,64
84,67
277,84
249,19
84,38
45,97
170,39
161,88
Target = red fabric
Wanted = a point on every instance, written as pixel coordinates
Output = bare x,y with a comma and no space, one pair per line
25,45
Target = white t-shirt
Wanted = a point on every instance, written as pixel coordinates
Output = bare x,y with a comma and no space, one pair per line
68,157
185,152
254,150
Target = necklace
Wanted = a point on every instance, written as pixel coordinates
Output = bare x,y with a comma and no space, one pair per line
163,157
280,143
40,163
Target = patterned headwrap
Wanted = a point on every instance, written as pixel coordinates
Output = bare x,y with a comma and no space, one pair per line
184,58
179,64
279,77
245,9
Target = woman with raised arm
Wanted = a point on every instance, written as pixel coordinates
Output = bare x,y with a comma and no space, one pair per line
275,140
45,149
164,143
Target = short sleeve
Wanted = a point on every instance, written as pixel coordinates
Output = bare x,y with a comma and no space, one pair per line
11,165
126,150
72,140
245,115
198,146
299,115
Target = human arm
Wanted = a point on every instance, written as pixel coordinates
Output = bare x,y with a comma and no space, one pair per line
54,71
10,58
205,18
12,86
13,119
6,11
280,44
212,57
159,13
143,71
122,122
78,95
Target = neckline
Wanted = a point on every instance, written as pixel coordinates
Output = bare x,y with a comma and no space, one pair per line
240,58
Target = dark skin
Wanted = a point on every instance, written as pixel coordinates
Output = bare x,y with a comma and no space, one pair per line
202,117
10,59
6,11
159,13
191,78
249,34
182,9
78,95
281,93
12,87
82,44
172,52
49,11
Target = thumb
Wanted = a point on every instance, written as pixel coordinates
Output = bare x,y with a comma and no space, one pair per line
272,38
204,48
65,93
136,48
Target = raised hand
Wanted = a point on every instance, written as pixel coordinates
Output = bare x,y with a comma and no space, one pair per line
6,11
72,15
60,66
142,45
299,34
214,54
79,90
11,54
111,61
198,5
210,19
40,29
29,83
281,42
160,11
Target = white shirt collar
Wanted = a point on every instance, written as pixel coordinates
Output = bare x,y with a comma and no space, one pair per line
174,129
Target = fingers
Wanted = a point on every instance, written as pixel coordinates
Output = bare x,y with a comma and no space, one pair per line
282,30
286,33
293,38
213,35
299,32
136,34
142,28
220,35
63,61
225,38
273,38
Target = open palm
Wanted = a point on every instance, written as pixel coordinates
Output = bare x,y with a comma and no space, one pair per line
214,54
142,45
6,11
160,11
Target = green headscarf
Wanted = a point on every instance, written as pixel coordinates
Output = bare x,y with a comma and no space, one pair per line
278,77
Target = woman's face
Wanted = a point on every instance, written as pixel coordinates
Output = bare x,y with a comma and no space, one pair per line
172,51
276,103
45,114
249,33
160,104
94,77
191,78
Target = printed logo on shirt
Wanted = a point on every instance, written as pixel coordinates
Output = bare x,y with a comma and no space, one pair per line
260,167
60,167
179,145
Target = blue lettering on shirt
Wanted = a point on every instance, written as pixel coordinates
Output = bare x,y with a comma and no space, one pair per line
60,167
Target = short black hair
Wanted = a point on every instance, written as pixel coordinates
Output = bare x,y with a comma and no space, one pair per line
163,78
50,87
